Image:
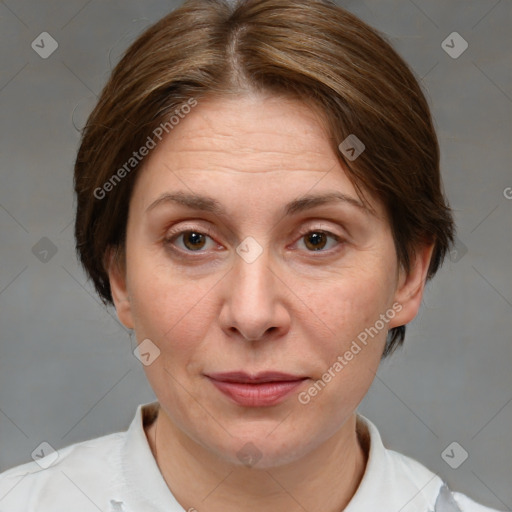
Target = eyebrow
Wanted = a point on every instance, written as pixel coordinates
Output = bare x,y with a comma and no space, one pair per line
209,204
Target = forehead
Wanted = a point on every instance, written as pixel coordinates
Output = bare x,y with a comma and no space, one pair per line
250,133
251,144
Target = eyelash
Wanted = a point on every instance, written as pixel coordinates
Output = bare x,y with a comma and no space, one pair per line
174,235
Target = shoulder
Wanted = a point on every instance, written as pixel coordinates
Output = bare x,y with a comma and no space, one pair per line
468,505
72,478
445,499
394,481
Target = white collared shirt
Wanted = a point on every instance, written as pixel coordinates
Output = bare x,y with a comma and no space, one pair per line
118,473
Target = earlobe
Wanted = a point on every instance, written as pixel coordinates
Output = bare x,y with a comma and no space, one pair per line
411,285
117,277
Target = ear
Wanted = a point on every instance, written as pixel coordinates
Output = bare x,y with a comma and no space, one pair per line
116,269
411,285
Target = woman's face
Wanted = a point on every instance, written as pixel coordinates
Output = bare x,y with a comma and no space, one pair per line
255,275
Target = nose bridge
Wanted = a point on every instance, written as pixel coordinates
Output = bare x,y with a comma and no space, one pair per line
253,278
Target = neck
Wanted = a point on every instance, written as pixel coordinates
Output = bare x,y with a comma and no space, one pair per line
325,479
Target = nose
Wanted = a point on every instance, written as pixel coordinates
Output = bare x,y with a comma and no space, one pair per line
254,306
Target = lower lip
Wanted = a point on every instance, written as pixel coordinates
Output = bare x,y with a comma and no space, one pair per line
257,395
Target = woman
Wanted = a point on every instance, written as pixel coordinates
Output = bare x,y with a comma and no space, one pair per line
258,194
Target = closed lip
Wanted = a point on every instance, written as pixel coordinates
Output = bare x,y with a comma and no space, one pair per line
258,378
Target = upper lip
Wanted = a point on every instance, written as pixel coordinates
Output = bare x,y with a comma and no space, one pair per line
243,377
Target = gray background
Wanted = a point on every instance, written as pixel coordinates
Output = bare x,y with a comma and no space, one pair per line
67,372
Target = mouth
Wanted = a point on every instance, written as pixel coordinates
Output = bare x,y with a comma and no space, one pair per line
257,390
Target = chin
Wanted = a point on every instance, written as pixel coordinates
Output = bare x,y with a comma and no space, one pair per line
257,449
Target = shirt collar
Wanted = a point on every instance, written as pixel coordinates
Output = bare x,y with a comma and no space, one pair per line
391,481
145,485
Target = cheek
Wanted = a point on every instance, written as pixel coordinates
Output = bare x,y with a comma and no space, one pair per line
346,331
167,306
347,356
174,313
347,302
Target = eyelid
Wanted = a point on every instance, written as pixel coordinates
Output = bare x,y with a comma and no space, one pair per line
330,227
324,229
196,228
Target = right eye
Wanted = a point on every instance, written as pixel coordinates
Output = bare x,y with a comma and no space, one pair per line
191,240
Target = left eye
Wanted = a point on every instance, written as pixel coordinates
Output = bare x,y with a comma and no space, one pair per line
318,240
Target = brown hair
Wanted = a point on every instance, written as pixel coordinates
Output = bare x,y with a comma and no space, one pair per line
312,50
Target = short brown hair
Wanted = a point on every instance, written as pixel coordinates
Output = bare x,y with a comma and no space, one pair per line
312,50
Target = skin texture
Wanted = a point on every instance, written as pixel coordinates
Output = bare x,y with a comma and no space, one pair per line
294,309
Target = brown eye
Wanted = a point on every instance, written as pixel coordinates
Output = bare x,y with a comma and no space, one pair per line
320,241
315,240
193,240
189,240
